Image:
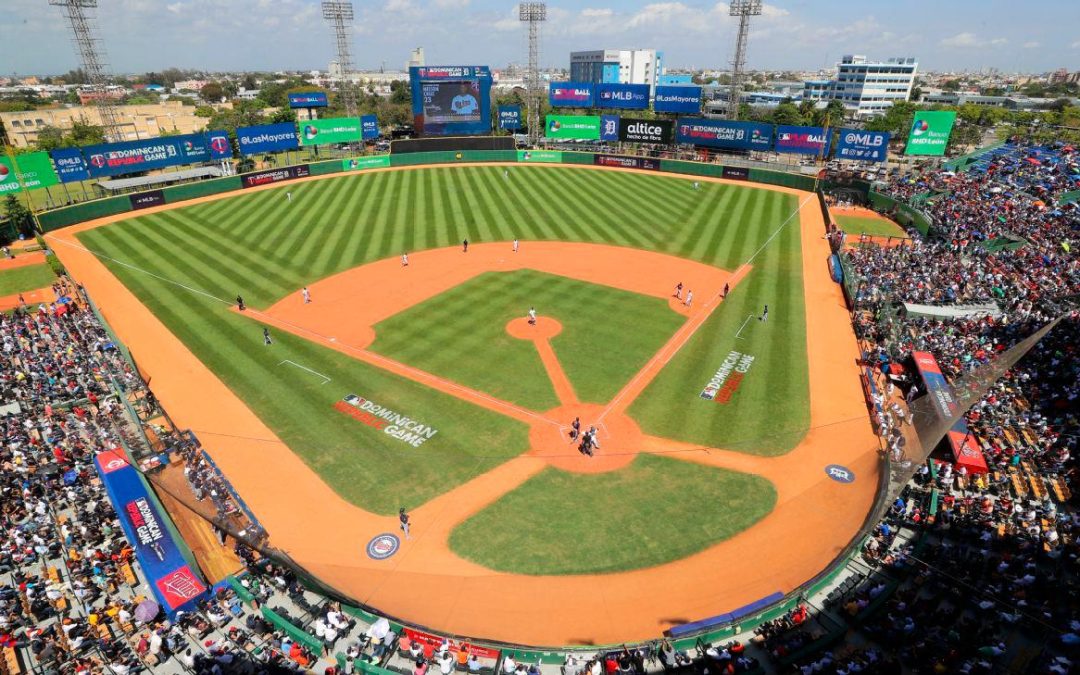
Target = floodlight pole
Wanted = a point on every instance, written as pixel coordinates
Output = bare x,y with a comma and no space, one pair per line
533,14
743,9
340,15
92,57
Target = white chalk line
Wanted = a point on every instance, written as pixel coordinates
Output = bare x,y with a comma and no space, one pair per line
313,372
738,336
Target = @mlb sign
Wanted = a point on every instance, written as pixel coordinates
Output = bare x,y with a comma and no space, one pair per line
840,474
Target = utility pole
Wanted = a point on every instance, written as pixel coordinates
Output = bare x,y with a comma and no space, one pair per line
340,15
93,61
533,14
743,9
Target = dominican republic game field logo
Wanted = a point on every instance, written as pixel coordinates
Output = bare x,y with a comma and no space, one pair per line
391,423
725,382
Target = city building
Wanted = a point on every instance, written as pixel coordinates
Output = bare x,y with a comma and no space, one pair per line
817,90
867,88
675,80
136,121
625,66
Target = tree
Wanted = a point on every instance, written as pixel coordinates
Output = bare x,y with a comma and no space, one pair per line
212,92
50,138
19,215
204,111
951,85
787,113
83,133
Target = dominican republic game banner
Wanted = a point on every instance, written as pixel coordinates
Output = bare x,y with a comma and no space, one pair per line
276,175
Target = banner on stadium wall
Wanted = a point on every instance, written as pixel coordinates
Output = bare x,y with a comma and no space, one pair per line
735,172
540,156
627,162
864,146
174,584
144,200
677,99
966,452
70,164
646,131
361,163
451,100
802,140
369,127
572,94
930,131
609,128
267,138
435,642
308,99
275,175
510,117
35,171
335,130
724,134
624,96
573,126
116,159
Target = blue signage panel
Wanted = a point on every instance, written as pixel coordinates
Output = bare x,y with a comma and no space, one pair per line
625,96
70,165
308,99
866,146
219,144
369,127
267,138
803,140
572,94
116,159
609,128
724,134
510,117
451,100
677,99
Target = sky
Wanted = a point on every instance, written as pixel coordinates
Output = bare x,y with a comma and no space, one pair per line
224,35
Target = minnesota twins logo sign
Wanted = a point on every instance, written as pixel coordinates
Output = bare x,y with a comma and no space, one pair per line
383,546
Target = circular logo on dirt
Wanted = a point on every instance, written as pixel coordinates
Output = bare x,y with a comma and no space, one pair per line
383,546
840,474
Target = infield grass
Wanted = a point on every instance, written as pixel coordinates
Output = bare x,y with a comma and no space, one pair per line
28,278
653,511
875,227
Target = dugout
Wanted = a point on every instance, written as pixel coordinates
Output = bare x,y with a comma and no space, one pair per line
452,144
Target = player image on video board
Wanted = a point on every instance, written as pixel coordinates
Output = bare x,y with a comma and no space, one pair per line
449,101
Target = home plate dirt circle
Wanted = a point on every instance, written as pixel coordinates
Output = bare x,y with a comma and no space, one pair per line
619,436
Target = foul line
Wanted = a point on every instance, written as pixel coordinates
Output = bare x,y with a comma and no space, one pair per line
313,372
737,335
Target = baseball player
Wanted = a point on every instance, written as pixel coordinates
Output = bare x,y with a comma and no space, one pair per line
689,297
515,246
266,337
678,290
403,518
532,316
765,314
288,195
404,259
307,295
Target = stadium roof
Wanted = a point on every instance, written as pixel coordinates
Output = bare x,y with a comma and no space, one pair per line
159,179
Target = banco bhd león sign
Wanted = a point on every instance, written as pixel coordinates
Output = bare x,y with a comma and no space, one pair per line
392,423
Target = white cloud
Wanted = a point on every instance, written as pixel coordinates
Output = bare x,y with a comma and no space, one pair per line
1033,44
967,40
399,6
597,13
451,4
1075,45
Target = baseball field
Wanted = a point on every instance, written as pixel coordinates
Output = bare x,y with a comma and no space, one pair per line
423,386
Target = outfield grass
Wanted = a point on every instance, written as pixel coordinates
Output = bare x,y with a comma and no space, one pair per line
875,227
265,248
473,318
654,511
28,278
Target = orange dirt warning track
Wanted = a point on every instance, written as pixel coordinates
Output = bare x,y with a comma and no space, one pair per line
425,582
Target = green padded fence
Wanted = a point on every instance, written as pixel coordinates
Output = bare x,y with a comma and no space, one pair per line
783,179
691,168
578,158
325,168
69,215
180,193
905,215
451,157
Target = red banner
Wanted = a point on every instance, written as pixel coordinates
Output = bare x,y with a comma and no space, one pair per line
435,642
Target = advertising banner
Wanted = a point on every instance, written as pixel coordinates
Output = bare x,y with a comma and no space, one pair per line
930,131
802,140
276,175
627,162
267,138
361,163
451,100
70,164
573,126
145,200
174,584
308,99
572,94
116,159
435,642
724,134
675,99
865,146
735,172
35,171
510,117
219,143
540,156
369,127
336,130
625,96
646,131
966,451
609,128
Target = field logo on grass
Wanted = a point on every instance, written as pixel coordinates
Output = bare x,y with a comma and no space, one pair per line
727,379
394,424
383,546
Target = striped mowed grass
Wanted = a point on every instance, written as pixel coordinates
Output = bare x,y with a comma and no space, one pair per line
264,247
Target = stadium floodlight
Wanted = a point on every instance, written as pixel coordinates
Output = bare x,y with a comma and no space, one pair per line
744,9
93,61
340,14
533,14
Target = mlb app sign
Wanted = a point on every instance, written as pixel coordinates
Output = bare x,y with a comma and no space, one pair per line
864,146
625,96
930,131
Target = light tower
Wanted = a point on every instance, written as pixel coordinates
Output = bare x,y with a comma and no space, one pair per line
340,15
744,9
92,56
533,14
